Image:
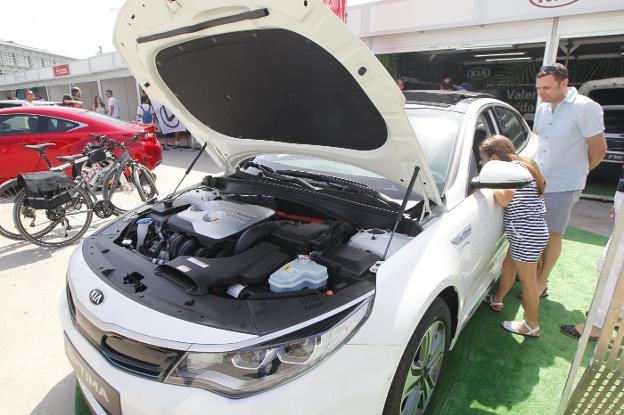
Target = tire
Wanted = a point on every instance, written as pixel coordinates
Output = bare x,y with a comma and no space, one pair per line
413,389
122,191
144,182
79,210
8,192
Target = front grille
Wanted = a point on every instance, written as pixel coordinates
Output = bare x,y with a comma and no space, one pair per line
130,355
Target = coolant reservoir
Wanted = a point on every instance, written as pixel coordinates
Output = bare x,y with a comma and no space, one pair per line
298,274
375,241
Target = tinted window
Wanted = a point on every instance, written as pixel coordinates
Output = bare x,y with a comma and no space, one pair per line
611,96
9,105
512,126
18,124
56,125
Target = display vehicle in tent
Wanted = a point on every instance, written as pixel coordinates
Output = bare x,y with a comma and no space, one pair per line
332,265
609,93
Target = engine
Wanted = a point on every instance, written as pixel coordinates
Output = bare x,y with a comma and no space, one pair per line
245,250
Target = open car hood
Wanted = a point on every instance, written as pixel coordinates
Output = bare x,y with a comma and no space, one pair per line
273,76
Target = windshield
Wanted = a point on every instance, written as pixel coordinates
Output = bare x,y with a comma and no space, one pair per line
437,132
317,165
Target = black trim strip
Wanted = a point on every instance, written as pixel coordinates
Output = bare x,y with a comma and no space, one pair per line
254,14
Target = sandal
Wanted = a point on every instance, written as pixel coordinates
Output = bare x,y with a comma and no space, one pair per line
570,330
544,294
489,300
516,326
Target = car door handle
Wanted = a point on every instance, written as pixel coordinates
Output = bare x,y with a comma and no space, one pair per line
460,237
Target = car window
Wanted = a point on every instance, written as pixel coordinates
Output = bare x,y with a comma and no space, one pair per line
9,105
437,133
56,125
12,124
512,126
609,96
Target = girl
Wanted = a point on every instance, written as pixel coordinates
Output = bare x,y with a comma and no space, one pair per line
98,105
526,231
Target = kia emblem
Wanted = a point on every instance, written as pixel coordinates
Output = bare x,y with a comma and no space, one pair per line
96,296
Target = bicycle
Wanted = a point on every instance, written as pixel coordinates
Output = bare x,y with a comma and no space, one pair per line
127,179
9,189
39,223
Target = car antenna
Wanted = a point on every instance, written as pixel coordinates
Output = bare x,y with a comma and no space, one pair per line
167,201
402,210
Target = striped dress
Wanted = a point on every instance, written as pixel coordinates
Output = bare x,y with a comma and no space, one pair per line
525,223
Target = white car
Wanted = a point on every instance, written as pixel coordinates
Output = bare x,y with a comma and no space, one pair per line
11,103
274,288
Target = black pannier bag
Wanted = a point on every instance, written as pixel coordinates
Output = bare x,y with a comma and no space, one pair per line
45,189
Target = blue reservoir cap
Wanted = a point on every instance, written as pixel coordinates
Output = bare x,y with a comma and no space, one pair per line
144,221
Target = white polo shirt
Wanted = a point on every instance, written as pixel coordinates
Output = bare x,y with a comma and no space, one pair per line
562,147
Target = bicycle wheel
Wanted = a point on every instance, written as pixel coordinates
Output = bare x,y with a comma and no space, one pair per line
144,182
120,188
8,193
54,228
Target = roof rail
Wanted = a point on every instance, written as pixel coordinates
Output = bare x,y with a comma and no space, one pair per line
442,97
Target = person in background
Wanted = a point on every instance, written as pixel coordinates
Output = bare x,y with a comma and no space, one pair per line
575,330
29,97
571,142
98,105
400,84
68,101
145,112
113,104
447,84
75,93
526,230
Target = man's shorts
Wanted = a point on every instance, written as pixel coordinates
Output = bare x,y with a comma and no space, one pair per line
558,209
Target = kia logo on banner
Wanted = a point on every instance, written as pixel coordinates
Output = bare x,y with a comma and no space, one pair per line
479,73
552,3
61,70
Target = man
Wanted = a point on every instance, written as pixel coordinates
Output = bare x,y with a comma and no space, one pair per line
113,104
400,84
29,97
571,142
75,93
447,85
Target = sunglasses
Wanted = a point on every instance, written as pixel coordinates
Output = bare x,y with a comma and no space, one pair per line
551,69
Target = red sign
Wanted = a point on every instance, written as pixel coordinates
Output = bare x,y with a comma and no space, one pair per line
337,6
61,70
552,3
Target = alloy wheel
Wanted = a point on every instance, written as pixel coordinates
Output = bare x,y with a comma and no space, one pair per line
424,371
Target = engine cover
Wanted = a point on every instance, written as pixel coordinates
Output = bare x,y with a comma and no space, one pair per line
214,220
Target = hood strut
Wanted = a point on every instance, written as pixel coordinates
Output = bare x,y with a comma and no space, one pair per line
402,210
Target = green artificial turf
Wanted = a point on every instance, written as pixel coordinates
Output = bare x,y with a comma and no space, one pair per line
491,371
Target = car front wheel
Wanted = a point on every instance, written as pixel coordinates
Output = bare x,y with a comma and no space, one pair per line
414,385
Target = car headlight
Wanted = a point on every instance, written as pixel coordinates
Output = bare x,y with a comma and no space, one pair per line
245,372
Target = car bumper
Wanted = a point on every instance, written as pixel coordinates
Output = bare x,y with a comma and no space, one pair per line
354,380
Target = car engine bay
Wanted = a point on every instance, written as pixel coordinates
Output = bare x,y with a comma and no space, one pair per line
208,251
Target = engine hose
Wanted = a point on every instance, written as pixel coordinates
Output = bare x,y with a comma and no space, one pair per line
255,234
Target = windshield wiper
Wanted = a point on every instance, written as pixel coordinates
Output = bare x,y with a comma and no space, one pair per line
342,185
268,172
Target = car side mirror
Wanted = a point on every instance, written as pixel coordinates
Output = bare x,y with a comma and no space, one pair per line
497,174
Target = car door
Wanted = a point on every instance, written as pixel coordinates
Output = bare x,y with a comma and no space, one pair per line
17,130
478,237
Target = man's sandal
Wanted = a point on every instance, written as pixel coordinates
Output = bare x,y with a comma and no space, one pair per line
570,330
489,300
517,326
544,294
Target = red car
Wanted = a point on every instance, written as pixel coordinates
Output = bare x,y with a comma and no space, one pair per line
69,129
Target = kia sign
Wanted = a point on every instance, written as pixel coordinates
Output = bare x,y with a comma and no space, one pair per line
552,3
61,70
479,73
96,296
